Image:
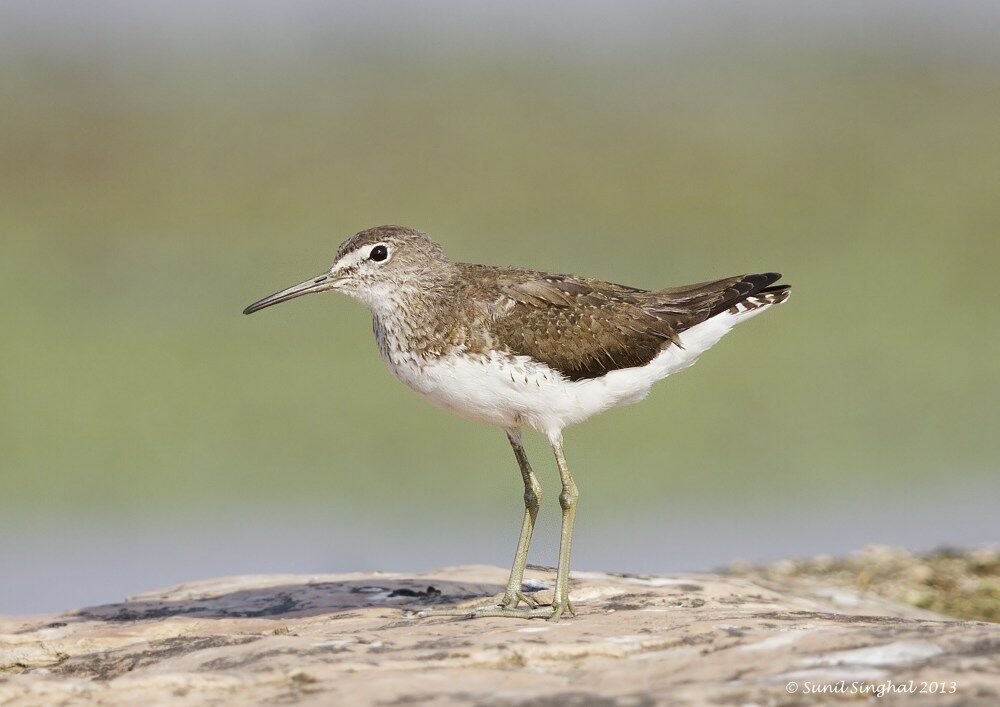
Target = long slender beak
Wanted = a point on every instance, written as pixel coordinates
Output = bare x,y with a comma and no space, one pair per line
317,284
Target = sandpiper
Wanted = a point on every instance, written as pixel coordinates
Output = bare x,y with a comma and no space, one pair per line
519,348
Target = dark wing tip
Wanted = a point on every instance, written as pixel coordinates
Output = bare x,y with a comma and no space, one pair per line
783,287
762,280
748,286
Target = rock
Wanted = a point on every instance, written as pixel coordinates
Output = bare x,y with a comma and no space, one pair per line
636,640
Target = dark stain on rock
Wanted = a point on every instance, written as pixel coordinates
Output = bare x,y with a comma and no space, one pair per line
243,661
839,618
690,587
981,647
112,664
431,592
283,604
272,606
428,593
441,644
631,602
443,655
329,650
36,627
124,613
340,616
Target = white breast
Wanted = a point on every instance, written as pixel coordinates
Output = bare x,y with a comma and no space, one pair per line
516,391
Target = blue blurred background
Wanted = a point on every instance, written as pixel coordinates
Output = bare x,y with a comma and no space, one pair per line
167,162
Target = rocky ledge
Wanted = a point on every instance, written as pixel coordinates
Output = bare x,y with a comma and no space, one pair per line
636,640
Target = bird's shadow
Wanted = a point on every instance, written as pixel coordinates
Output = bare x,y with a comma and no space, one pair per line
336,599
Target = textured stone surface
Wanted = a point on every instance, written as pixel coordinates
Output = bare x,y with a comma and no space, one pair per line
964,584
353,639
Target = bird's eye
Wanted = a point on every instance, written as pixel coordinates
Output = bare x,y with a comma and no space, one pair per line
379,253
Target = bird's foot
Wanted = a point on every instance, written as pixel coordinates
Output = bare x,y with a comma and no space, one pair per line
506,609
510,601
498,610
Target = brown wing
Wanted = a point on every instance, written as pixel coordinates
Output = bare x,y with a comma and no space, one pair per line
585,328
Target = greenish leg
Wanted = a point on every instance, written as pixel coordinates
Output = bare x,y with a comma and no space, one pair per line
568,499
532,498
513,595
560,600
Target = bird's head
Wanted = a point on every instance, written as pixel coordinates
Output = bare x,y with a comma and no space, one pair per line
370,266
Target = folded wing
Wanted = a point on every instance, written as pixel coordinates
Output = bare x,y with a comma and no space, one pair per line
586,328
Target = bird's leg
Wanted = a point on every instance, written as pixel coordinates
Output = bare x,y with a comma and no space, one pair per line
532,498
568,498
560,600
514,594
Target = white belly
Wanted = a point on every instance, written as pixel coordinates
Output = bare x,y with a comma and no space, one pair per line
504,391
517,391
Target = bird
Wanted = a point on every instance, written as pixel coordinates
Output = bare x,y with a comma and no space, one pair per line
517,348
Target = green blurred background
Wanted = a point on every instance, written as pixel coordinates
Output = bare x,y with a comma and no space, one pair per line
163,164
